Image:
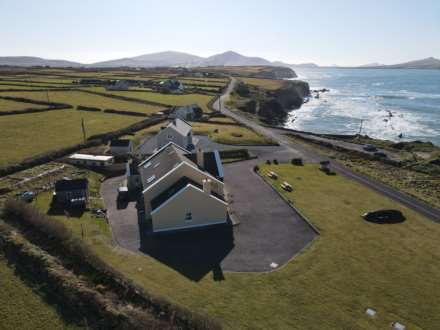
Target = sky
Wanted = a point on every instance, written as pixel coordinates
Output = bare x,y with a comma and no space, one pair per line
341,32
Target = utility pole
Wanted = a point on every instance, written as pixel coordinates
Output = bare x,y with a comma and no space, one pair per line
47,96
220,102
83,130
360,128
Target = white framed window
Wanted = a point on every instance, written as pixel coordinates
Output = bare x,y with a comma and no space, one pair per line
151,178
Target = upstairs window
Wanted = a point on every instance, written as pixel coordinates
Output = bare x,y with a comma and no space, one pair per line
188,216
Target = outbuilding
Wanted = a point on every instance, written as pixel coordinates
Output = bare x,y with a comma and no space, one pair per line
121,147
72,192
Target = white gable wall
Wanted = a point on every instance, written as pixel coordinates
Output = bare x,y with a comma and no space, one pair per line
184,169
190,207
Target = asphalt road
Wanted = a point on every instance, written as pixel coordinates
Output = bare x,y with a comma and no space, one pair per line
309,155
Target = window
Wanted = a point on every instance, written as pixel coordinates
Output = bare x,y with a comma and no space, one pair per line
151,179
156,165
188,216
170,136
147,165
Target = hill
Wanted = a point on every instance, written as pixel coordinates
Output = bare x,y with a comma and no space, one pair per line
160,59
426,63
35,61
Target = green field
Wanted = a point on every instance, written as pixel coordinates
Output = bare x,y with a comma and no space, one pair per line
22,308
269,84
8,105
76,98
24,136
171,99
222,133
351,266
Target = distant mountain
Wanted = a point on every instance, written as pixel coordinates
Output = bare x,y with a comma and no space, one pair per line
426,63
300,65
167,58
231,58
35,61
371,65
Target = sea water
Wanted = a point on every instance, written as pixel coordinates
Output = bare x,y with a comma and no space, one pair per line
392,104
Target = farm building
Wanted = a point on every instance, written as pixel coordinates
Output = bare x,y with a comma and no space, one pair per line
100,161
183,190
171,86
177,131
187,112
72,192
122,147
119,85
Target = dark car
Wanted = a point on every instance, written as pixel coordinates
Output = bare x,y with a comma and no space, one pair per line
384,216
370,148
380,154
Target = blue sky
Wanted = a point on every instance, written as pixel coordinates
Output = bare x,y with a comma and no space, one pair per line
325,32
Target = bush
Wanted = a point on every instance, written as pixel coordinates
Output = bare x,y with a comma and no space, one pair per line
268,162
256,168
238,135
84,108
297,161
275,161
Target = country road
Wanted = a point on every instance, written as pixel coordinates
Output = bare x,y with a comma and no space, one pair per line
298,150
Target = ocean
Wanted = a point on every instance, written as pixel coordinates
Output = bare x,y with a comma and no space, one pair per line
399,105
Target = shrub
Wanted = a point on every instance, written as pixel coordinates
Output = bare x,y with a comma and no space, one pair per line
238,135
256,168
84,108
275,161
268,162
297,161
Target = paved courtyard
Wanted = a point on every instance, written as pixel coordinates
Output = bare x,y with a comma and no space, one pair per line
270,232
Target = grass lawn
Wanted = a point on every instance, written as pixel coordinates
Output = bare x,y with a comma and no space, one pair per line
351,266
269,84
96,230
22,308
24,136
171,99
228,134
8,105
81,98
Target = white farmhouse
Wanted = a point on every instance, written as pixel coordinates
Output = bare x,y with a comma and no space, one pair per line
183,190
94,161
177,131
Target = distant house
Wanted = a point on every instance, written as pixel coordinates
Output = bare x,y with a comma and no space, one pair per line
186,112
183,190
119,85
177,131
171,86
72,192
91,81
98,161
122,147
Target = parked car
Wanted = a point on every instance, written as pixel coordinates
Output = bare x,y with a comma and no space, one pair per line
370,148
27,196
380,154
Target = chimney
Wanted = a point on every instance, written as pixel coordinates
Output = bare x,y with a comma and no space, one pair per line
207,186
200,158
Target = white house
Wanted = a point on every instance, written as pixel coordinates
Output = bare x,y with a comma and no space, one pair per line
183,190
99,161
120,85
186,112
122,147
177,131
